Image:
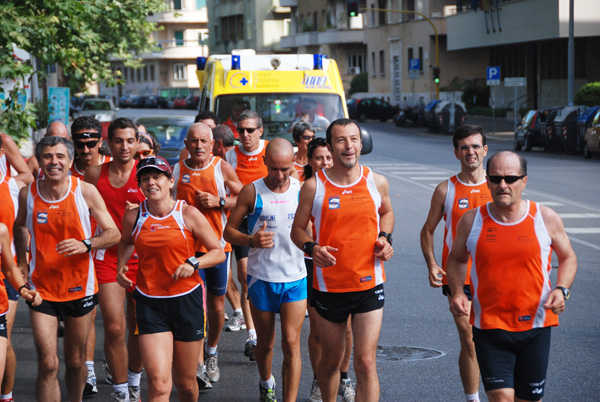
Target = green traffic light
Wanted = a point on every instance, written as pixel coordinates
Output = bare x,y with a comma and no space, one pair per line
437,80
352,14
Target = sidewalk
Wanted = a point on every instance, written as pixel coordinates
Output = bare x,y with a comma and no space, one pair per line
504,128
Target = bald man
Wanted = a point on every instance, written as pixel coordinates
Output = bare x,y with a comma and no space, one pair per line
55,129
203,180
276,272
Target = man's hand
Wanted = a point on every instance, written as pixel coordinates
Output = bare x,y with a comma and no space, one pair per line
207,200
183,271
31,295
435,276
71,247
459,305
322,256
262,239
130,205
556,301
383,249
122,279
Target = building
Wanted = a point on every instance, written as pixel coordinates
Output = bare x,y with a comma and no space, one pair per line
171,70
247,24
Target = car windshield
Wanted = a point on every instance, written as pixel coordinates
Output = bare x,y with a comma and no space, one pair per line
170,135
280,112
96,105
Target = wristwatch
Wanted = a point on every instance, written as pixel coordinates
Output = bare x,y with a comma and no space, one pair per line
308,247
222,202
565,291
388,236
193,261
88,244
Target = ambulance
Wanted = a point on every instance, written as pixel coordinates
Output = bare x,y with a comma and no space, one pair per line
282,88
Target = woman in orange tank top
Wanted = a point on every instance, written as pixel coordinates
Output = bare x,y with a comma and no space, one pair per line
170,317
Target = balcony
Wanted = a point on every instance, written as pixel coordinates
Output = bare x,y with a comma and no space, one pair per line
181,16
179,49
329,36
227,9
288,3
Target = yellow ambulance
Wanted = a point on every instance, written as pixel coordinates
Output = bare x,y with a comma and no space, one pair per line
281,88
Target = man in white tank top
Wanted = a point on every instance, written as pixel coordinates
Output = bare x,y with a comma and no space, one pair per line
276,270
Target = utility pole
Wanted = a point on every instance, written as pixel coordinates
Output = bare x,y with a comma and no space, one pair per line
571,57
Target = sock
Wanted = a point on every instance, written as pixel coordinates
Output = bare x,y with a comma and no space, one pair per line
269,384
314,376
6,396
121,388
472,397
343,375
252,333
90,367
133,378
209,350
237,311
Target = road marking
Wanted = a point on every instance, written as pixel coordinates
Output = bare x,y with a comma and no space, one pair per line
428,178
585,243
570,216
409,172
583,230
550,203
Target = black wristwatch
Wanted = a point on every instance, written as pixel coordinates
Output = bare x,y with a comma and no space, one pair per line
88,244
388,236
308,247
193,261
222,202
565,291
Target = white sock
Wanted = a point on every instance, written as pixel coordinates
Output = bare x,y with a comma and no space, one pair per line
121,388
90,367
252,333
210,351
133,378
269,384
237,312
6,396
472,397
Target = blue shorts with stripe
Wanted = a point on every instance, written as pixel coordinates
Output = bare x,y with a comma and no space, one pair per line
269,296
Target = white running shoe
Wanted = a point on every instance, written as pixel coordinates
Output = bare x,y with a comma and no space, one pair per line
315,392
212,369
237,323
346,390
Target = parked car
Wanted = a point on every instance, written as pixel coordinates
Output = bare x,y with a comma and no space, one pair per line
547,126
179,102
584,121
592,138
448,115
138,101
192,102
156,102
370,108
528,132
101,109
170,133
565,129
408,117
124,101
427,116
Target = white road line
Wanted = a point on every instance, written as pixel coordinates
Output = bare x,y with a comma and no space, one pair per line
582,230
585,243
407,172
550,203
429,178
570,216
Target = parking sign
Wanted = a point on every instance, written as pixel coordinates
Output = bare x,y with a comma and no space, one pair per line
493,75
414,68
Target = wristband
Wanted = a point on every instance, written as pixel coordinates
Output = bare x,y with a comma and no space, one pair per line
250,242
309,247
388,236
24,286
88,244
193,261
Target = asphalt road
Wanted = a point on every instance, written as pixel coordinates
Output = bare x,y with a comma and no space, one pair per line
419,345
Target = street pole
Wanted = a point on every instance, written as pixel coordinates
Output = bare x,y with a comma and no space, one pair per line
515,109
571,58
437,41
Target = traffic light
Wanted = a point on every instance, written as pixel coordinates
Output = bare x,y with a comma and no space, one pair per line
352,7
436,75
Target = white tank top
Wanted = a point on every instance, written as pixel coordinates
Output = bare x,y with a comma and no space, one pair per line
284,262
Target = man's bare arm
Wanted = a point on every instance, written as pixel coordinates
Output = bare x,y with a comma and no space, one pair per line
435,215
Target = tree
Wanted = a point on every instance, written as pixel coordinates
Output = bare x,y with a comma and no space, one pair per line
359,83
78,35
588,95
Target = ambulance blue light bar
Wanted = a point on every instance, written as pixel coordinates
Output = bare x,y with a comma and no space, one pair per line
200,63
235,62
318,61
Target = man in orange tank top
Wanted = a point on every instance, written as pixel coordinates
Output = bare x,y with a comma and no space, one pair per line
55,129
450,200
55,212
348,279
117,183
510,241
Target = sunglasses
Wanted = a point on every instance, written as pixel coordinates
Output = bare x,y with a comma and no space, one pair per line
82,144
152,161
466,147
144,154
248,130
308,137
507,179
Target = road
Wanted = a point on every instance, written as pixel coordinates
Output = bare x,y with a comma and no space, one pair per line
418,344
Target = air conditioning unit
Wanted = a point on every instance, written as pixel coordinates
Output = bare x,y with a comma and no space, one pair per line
354,70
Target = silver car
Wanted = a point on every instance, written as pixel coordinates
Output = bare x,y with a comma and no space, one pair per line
101,109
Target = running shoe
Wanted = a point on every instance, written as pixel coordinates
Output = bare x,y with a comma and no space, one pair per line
249,348
107,376
135,394
226,316
60,332
202,378
212,369
90,387
120,397
237,323
346,390
7,400
267,395
315,392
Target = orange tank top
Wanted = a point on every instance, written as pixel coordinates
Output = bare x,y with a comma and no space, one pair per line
460,197
210,180
9,203
249,166
163,244
338,225
56,277
300,170
510,276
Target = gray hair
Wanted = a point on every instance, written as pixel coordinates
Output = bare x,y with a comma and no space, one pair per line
51,142
250,114
224,134
300,128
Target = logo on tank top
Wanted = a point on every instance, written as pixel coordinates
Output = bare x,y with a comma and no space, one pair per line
155,226
54,206
132,190
463,203
252,158
475,190
75,289
366,279
524,318
42,217
346,192
334,203
185,178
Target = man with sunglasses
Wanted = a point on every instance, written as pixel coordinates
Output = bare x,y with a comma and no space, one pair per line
116,181
510,241
86,132
451,199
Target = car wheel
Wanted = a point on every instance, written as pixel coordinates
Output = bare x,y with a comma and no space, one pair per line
517,144
527,143
586,151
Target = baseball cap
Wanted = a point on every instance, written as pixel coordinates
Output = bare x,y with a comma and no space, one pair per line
155,162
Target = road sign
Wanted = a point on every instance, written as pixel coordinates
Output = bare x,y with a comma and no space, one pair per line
58,97
493,75
414,68
515,82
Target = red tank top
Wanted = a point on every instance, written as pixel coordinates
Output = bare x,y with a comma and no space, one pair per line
115,204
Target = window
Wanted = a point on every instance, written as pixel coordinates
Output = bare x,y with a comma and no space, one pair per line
176,4
421,59
151,72
357,61
411,55
382,62
382,5
373,62
409,5
178,36
139,74
372,16
179,71
232,28
200,4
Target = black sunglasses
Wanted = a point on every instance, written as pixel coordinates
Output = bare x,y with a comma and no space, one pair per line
249,130
308,137
151,161
82,144
507,179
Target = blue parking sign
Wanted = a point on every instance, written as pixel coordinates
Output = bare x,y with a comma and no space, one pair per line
493,75
414,64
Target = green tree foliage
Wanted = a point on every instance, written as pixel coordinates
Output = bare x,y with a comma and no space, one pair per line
360,83
588,95
78,35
